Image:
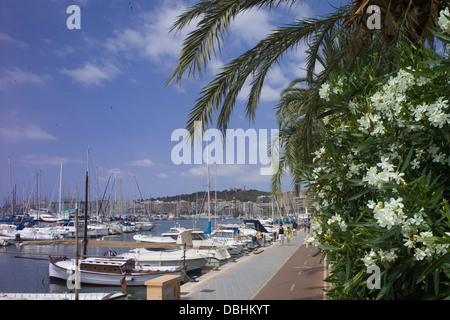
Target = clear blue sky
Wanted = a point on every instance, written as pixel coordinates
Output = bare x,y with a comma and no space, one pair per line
102,88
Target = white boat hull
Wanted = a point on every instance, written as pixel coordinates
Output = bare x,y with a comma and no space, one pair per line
143,257
30,234
64,269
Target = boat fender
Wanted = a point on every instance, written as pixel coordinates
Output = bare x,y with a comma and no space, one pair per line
110,253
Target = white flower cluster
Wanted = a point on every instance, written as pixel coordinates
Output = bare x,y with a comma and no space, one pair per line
416,240
316,229
324,91
388,214
387,173
444,22
388,100
437,155
385,257
427,249
390,103
318,154
367,121
433,112
311,241
337,219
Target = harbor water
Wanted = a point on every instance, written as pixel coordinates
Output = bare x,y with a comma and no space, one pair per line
28,273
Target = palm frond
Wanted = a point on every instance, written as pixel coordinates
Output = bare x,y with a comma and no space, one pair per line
223,90
216,16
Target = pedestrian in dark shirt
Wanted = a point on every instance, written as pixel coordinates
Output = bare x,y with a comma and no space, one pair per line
281,234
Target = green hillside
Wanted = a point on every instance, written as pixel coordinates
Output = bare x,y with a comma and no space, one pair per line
231,194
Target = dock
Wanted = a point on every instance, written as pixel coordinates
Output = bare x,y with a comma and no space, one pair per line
273,272
278,272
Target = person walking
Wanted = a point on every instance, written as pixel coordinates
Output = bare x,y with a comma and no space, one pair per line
288,235
281,234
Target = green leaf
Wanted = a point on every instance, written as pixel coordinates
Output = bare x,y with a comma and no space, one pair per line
407,160
360,194
329,247
436,281
445,259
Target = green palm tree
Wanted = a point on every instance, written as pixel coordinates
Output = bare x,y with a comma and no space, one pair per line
300,110
338,41
402,19
221,93
411,20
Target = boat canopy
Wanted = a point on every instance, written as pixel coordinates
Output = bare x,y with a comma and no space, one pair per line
256,225
208,228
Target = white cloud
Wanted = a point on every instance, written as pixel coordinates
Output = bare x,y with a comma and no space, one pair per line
92,75
45,160
19,77
236,172
269,92
150,38
162,175
195,172
9,40
251,26
142,163
15,131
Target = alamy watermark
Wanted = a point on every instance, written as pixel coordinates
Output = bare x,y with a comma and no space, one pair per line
74,20
374,280
236,147
374,20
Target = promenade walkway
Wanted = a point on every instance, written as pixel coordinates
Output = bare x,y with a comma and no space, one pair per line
279,272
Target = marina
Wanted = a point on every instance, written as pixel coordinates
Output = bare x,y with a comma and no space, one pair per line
28,273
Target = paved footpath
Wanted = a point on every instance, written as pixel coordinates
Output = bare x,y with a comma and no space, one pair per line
280,272
300,278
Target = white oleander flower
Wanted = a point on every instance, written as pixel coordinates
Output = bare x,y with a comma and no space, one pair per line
443,21
369,258
311,240
420,254
337,219
378,179
324,91
388,256
415,164
388,214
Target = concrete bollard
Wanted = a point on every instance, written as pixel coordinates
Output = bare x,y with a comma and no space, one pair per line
164,288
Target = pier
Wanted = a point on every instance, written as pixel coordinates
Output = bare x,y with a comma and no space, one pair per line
278,272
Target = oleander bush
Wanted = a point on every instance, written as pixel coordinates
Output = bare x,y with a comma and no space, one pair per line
381,178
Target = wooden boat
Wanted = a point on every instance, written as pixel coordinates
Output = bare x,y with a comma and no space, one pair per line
109,271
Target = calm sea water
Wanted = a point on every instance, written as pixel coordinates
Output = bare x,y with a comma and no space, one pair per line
21,275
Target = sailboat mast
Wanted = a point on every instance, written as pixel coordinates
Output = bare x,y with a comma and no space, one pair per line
86,206
10,186
215,194
60,187
77,253
207,177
